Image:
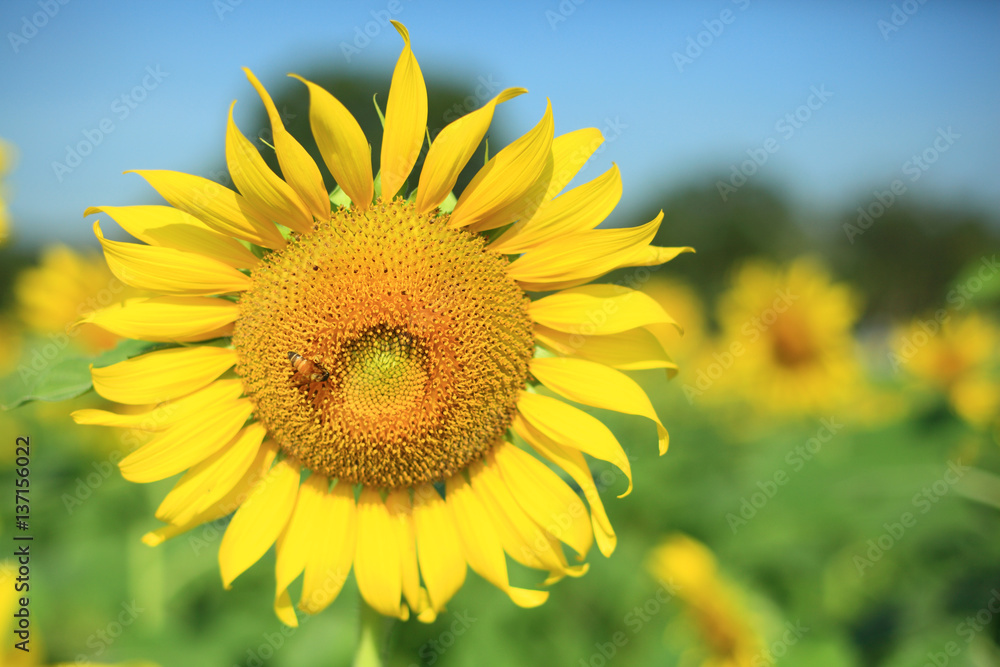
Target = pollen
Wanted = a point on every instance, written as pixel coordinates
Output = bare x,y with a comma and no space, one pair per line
424,337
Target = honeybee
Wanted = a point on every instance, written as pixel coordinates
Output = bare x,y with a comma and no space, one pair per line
308,369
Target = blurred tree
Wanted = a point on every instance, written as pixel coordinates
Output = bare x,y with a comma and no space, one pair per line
906,259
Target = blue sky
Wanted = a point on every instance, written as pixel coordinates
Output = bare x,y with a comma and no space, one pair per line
885,94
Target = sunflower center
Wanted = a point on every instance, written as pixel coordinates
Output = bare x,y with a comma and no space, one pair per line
791,341
384,348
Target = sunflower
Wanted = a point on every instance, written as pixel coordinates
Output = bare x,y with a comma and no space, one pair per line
955,355
349,379
728,632
785,345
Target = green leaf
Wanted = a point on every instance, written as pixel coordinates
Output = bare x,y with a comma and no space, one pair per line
61,375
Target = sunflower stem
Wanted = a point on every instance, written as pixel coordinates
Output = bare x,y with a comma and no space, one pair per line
373,639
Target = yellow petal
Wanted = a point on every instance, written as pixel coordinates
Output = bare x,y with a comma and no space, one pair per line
167,414
342,144
259,520
331,549
218,207
208,482
652,256
574,428
452,149
262,188
512,183
377,564
187,443
169,227
142,421
168,270
522,538
172,319
580,209
572,462
295,542
582,255
401,517
405,119
598,309
227,505
161,375
439,549
641,255
545,497
298,168
632,350
599,386
480,543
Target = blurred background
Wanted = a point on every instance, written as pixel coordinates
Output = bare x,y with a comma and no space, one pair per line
832,491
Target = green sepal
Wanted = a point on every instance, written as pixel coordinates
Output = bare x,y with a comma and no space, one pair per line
378,110
448,205
339,198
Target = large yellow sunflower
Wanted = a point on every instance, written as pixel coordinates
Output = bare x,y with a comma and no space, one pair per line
349,379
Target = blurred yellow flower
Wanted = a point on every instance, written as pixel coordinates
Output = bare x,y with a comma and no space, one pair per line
785,345
957,355
66,285
684,305
7,155
728,635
